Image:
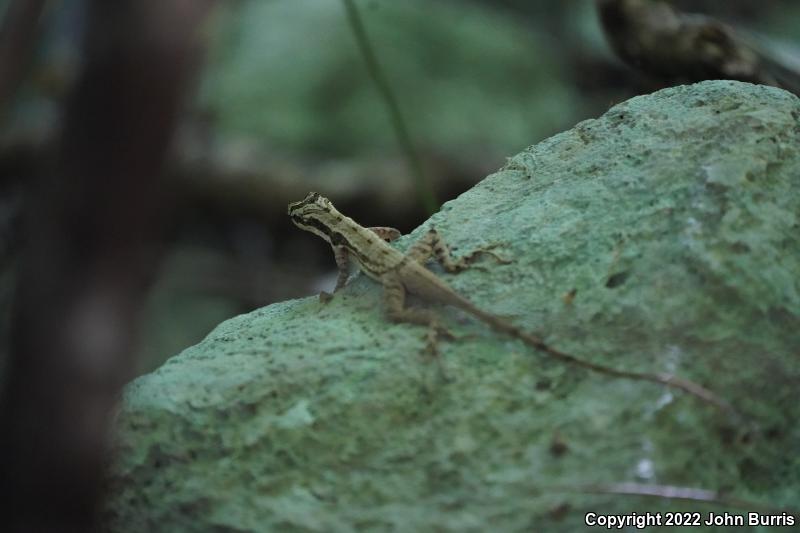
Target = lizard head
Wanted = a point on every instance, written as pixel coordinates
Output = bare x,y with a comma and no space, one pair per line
316,214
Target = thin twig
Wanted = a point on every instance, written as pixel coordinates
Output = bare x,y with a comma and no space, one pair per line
671,492
423,184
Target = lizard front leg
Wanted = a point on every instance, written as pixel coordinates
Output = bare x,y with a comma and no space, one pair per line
432,245
340,254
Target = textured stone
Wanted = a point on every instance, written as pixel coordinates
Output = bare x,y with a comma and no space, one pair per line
674,217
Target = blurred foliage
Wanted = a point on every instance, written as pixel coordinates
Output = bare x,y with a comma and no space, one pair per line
466,76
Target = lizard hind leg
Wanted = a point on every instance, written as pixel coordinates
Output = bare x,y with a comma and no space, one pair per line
395,299
432,245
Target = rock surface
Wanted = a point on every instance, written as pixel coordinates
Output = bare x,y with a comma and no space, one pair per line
674,218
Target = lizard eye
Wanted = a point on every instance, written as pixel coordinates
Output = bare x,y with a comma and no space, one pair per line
311,198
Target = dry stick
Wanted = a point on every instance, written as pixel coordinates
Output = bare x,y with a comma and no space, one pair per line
423,184
671,492
675,47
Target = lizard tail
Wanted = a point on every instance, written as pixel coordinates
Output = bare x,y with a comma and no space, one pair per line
669,380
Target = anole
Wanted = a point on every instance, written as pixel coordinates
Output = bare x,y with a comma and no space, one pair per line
406,273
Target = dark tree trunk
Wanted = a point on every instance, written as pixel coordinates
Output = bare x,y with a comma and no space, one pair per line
92,229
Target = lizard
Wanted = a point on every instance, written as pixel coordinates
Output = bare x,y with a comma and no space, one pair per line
401,273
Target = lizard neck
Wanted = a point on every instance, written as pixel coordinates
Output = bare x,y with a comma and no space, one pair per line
373,255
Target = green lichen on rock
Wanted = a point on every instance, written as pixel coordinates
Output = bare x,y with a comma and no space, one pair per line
674,218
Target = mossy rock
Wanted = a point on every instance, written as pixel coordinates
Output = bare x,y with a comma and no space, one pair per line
672,221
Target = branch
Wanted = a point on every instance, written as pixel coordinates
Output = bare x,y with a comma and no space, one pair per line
423,184
676,47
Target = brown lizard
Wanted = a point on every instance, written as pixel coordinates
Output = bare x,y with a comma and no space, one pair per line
403,273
